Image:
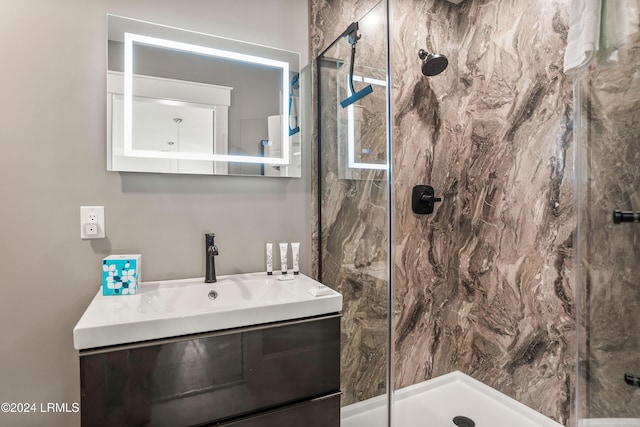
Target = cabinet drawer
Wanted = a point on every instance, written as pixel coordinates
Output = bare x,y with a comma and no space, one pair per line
206,378
321,412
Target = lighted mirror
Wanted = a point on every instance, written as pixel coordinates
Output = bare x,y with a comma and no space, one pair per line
365,151
362,145
180,101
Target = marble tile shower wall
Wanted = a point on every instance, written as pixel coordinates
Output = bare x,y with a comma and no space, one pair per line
484,285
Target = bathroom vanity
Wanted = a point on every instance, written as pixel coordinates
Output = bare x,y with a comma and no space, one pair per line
280,367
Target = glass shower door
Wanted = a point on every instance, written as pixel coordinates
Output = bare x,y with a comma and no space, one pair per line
353,207
608,280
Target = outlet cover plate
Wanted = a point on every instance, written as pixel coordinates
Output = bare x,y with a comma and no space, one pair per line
92,222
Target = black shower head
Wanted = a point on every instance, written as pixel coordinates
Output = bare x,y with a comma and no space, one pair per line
432,63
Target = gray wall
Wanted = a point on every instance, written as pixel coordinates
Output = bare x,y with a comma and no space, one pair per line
53,160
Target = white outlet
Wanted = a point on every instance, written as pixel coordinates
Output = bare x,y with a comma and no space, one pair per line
92,222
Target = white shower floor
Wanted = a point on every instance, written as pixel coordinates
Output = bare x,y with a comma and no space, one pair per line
436,402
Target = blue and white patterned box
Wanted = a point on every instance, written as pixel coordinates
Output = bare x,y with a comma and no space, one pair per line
121,274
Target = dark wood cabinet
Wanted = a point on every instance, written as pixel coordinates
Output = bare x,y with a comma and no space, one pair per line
321,412
281,374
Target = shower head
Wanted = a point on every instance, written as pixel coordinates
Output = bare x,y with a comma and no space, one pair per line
432,63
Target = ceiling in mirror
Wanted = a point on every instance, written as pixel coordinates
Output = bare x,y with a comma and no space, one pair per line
180,101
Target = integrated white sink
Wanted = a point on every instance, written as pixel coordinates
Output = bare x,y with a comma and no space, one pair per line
180,307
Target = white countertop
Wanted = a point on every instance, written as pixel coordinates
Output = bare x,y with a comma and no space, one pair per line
180,307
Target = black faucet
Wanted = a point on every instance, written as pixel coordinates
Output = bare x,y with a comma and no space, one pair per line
211,250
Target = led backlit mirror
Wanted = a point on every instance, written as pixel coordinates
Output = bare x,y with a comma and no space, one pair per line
180,101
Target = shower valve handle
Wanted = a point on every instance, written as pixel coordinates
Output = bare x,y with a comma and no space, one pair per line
423,199
428,198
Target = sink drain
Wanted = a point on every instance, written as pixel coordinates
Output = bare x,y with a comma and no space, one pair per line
213,295
461,421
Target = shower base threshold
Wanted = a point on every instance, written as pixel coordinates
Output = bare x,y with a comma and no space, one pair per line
451,400
610,422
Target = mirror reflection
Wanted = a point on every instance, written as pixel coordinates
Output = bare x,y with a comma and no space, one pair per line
186,102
